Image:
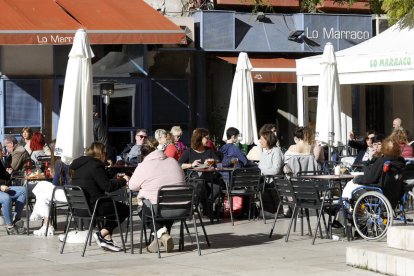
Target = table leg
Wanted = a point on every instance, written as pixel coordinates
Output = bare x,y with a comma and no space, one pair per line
26,184
131,228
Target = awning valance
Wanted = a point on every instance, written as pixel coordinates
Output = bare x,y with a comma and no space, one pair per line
49,22
272,70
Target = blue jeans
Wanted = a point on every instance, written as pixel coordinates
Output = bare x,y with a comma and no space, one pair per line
16,194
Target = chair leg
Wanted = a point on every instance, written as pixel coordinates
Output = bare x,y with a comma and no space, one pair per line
119,226
196,234
155,232
261,205
318,225
142,232
87,236
294,214
49,216
301,221
308,221
66,234
230,201
188,231
131,226
202,227
250,207
274,222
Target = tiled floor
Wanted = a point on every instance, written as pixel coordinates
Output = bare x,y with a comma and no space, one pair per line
244,249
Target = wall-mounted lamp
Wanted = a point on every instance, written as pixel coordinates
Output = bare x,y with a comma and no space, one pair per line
260,16
295,35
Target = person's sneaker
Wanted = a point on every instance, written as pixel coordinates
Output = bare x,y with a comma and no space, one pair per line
40,232
152,248
110,245
50,231
167,242
19,225
98,238
14,230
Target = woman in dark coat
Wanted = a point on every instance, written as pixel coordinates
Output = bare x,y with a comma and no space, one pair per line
89,174
372,173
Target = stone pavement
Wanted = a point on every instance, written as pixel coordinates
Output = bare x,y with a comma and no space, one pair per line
244,249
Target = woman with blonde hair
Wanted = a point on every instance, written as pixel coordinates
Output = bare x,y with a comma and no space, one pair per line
161,136
89,174
175,148
400,136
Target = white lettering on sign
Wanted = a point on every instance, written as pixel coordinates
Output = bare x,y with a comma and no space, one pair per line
337,34
54,39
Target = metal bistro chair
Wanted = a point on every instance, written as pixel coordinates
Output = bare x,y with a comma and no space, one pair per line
54,205
79,208
175,202
199,187
312,195
245,182
286,197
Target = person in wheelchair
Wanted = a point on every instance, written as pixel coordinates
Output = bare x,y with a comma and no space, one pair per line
390,152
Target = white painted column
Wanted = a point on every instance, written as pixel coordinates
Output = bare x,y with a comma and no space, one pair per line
300,100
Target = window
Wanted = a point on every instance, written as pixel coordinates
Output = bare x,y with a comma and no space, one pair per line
22,105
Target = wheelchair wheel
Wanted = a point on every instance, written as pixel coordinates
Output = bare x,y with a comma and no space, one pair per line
372,215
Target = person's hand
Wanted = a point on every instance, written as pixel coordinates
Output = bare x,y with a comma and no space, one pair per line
196,163
109,163
4,188
351,135
127,178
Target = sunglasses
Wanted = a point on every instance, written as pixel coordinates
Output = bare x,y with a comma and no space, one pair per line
142,136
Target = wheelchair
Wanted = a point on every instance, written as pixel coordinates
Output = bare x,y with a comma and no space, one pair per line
374,208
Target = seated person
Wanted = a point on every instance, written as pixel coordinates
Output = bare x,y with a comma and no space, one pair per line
271,157
43,192
365,150
132,152
400,136
231,151
304,138
303,155
8,195
155,171
89,174
16,154
161,136
199,154
38,147
390,151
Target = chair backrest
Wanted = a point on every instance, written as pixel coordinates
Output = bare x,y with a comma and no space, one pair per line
199,188
299,163
306,193
76,199
284,190
245,178
392,181
175,201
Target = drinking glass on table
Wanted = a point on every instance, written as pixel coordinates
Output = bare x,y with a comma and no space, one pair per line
234,161
210,162
342,169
